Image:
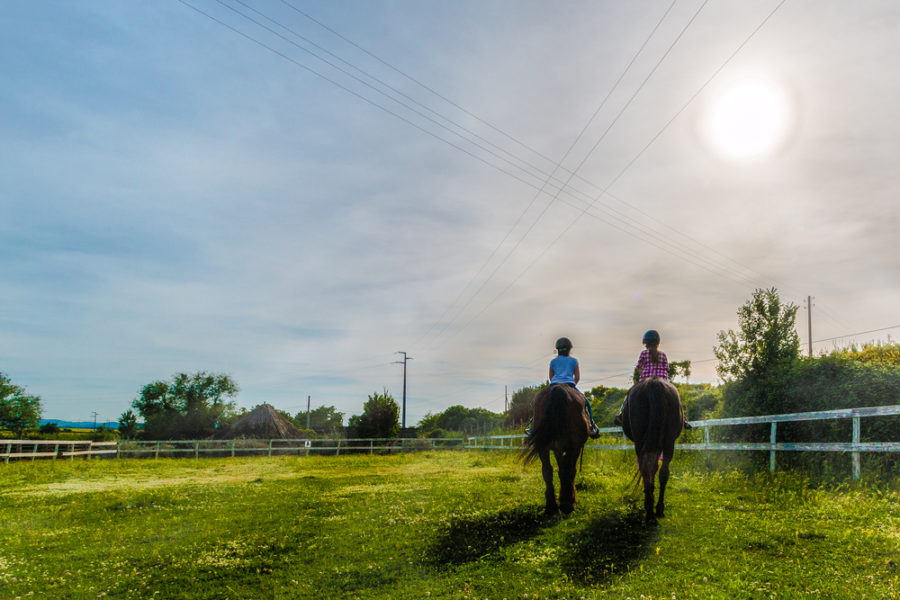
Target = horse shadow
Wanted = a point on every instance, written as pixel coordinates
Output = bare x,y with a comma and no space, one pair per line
611,544
465,539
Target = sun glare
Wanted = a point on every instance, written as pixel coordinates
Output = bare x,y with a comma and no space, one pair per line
748,121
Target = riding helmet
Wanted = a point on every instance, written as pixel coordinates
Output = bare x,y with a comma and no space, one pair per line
563,343
651,337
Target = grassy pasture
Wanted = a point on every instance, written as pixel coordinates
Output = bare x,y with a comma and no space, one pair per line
431,525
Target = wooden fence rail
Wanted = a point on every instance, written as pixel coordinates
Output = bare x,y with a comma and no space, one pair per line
854,447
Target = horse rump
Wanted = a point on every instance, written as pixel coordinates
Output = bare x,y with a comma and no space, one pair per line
550,406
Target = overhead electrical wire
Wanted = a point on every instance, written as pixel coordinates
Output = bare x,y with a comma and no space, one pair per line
690,257
545,184
630,163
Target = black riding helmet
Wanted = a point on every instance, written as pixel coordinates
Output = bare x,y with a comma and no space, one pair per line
651,337
563,343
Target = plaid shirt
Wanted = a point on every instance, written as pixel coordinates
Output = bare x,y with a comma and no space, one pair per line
647,369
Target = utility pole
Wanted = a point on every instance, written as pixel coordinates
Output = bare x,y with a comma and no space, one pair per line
809,306
505,399
308,398
404,361
95,419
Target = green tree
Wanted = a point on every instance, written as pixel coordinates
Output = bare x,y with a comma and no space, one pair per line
380,417
189,406
128,428
521,404
766,341
18,410
756,360
322,419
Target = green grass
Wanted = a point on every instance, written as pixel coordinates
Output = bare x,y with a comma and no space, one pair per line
431,525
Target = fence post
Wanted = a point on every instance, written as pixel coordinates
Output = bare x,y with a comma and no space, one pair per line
855,447
232,448
156,452
270,447
8,451
772,450
706,442
338,449
196,449
371,446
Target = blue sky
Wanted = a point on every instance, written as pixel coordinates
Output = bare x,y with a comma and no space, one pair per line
179,191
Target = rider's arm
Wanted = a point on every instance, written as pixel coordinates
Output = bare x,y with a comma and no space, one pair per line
551,373
577,373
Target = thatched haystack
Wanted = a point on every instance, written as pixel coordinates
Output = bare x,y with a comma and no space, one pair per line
263,422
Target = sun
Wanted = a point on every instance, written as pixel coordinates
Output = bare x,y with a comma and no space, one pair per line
749,120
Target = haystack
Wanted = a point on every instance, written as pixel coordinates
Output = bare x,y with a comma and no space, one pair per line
263,422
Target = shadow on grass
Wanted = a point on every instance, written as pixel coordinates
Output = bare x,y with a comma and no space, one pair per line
609,545
469,538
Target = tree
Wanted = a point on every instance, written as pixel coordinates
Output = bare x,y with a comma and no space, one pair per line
322,419
190,406
756,361
683,367
766,341
18,410
128,424
520,405
380,417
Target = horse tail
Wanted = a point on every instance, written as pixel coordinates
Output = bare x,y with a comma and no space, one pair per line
658,411
550,427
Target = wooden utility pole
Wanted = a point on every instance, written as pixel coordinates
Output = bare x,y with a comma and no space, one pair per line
308,398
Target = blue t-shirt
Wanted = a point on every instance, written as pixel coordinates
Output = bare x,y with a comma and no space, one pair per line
564,369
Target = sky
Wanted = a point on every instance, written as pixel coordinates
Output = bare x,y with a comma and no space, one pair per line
293,192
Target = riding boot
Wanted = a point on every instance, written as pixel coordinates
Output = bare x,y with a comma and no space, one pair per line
528,428
618,419
595,431
687,425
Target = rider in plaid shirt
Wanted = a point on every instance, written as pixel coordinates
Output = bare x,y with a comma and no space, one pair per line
651,363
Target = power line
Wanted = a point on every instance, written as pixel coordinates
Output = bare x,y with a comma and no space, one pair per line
633,160
838,337
545,184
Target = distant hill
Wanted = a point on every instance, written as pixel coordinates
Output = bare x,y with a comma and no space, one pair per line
80,424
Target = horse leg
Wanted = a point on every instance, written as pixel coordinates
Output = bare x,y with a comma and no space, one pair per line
663,480
648,474
550,507
566,462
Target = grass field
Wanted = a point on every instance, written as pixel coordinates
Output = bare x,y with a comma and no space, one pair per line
431,525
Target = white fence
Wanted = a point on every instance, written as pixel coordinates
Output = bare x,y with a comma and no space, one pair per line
32,449
54,449
854,446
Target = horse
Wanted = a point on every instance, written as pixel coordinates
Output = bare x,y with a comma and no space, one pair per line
560,425
652,418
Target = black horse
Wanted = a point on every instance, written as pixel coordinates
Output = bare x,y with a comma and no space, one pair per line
652,418
560,425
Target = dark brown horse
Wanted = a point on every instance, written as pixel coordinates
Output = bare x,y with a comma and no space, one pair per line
652,419
561,426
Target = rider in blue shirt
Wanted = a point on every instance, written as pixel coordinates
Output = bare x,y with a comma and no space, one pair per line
564,369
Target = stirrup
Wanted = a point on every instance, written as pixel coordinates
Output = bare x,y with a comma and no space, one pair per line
595,431
618,419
